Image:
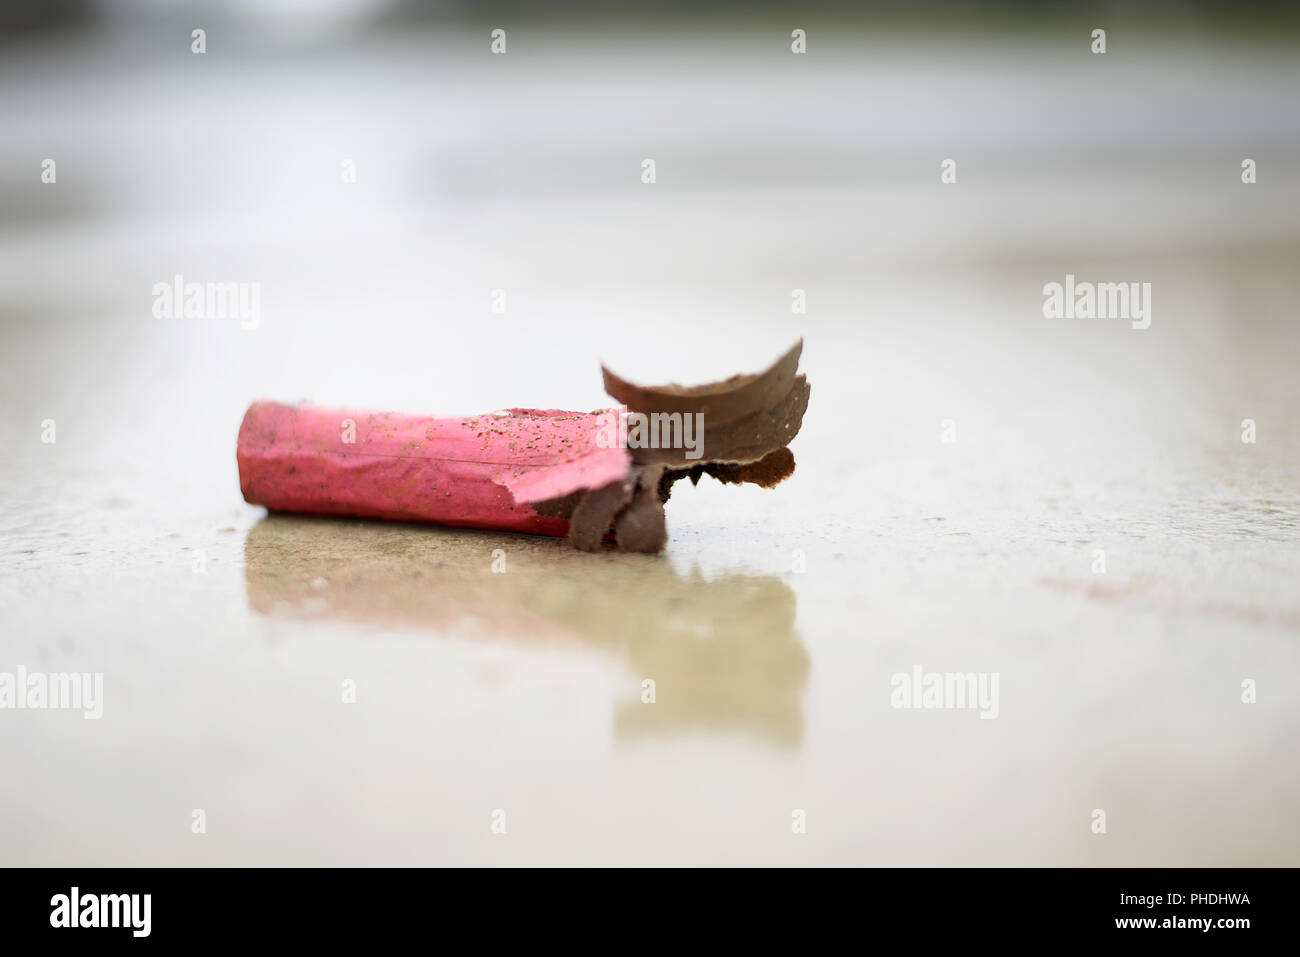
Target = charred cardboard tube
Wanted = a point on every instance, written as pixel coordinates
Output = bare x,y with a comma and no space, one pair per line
543,471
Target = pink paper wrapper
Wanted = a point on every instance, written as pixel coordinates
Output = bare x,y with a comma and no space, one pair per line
477,472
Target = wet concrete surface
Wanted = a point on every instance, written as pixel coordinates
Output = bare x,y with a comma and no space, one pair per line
230,640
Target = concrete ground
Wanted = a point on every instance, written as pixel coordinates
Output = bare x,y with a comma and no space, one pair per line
963,461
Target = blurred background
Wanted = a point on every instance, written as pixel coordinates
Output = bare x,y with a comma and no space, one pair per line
495,243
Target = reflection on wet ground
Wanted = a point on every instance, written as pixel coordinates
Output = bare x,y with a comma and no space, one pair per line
723,654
